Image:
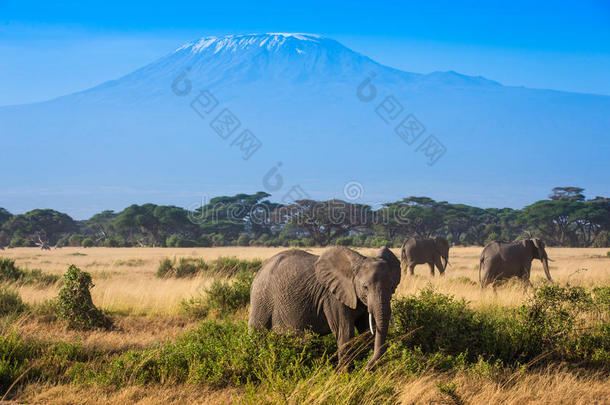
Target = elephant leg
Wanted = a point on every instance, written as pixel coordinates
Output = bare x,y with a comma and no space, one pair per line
344,336
342,325
412,268
260,315
484,277
526,278
431,265
439,265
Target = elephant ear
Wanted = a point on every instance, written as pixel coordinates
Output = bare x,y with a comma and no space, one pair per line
335,269
393,265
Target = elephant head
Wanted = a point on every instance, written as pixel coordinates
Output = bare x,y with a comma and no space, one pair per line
442,247
538,252
353,278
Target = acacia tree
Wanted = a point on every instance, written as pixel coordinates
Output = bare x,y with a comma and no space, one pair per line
412,216
232,215
326,220
567,194
590,218
49,224
552,219
151,224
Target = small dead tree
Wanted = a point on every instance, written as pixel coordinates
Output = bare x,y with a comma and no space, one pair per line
42,244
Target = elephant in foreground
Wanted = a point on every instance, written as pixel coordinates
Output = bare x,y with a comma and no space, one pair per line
433,251
500,261
334,293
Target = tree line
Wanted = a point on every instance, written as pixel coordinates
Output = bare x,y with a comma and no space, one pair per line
565,219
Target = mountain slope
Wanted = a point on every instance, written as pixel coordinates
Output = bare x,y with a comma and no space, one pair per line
305,99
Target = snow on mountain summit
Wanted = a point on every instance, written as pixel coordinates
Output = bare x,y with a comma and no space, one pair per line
234,43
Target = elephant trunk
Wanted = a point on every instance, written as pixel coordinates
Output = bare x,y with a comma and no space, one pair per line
545,265
380,314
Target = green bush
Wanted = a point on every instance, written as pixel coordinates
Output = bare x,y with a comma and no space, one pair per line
10,273
218,240
185,267
15,355
76,240
87,242
114,242
222,266
344,241
26,360
556,323
177,241
222,297
231,266
10,302
74,302
219,354
243,240
63,241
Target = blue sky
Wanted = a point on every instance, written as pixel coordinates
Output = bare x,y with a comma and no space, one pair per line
48,49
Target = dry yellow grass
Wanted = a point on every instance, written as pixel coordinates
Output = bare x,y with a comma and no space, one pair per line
125,277
549,386
149,395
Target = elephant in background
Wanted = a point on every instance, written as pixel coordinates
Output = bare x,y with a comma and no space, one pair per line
334,293
500,261
433,251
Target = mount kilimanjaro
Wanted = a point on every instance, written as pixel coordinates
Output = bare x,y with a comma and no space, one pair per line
243,113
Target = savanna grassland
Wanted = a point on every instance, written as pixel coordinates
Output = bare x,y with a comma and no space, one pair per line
184,339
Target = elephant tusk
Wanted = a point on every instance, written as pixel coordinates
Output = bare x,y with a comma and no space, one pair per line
371,324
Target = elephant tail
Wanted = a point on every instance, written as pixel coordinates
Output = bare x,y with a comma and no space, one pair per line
480,267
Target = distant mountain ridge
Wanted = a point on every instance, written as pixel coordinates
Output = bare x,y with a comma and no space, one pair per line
298,94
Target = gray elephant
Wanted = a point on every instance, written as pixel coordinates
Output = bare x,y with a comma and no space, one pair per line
434,252
500,261
333,293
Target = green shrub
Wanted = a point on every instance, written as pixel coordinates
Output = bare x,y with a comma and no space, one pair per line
436,322
177,241
185,267
10,273
15,355
243,240
114,242
87,242
222,297
556,323
218,240
36,276
166,267
344,241
10,302
25,360
76,240
74,302
219,354
222,266
231,266
63,241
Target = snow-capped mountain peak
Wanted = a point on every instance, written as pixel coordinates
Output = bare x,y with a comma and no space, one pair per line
245,42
